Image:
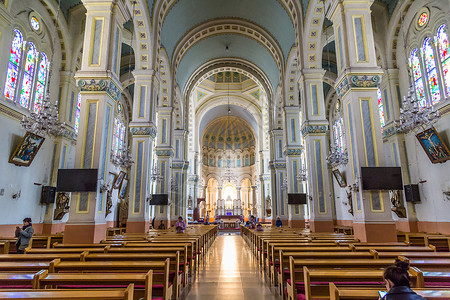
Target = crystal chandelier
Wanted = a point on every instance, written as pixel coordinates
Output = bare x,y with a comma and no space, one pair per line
336,157
302,176
46,121
414,117
123,158
155,174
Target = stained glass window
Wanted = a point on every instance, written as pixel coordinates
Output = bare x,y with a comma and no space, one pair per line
13,65
417,74
118,137
338,131
444,51
34,23
40,83
77,113
423,19
28,76
430,66
380,108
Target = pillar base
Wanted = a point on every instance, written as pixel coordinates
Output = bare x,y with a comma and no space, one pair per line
321,226
375,233
138,227
407,226
48,228
84,234
296,223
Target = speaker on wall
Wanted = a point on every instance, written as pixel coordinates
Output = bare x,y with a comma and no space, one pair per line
48,194
412,193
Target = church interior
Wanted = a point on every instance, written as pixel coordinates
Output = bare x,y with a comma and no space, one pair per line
241,143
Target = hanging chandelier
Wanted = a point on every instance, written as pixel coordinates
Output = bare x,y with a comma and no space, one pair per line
123,158
46,120
302,175
336,157
413,116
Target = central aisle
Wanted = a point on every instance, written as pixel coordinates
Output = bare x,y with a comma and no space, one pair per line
230,272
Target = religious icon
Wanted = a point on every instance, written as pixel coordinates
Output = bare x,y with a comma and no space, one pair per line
119,179
436,150
339,178
110,179
123,188
26,150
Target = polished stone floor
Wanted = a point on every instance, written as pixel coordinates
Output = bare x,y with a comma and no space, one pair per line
229,272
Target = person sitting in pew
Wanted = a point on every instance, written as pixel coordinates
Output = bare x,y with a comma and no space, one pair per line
259,227
161,225
24,235
180,225
279,223
396,279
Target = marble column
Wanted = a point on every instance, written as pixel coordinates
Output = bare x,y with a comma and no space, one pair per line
143,133
100,88
314,131
357,83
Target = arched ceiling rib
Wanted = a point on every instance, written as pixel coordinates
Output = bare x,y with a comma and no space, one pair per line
270,14
239,47
232,65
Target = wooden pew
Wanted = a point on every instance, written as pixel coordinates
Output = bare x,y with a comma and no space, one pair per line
57,266
372,278
393,248
173,256
352,270
84,294
284,260
441,242
395,254
4,247
54,280
347,293
64,250
24,280
39,257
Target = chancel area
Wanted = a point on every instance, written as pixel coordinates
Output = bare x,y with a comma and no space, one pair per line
208,149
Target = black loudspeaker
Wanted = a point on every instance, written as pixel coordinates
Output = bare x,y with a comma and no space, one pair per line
412,193
48,194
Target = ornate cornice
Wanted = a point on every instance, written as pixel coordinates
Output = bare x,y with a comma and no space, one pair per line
101,85
164,153
178,166
357,81
388,132
10,112
314,129
279,165
293,152
143,131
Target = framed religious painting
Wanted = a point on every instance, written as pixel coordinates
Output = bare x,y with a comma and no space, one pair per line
110,179
339,178
123,188
26,150
433,146
119,179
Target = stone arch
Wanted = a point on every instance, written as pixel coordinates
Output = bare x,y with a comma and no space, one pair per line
313,27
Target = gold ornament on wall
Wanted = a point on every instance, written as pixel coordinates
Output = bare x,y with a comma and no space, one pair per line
62,205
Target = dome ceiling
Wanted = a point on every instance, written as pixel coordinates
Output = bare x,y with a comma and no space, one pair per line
228,132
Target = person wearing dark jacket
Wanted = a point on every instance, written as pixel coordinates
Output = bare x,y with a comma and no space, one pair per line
24,235
396,278
279,223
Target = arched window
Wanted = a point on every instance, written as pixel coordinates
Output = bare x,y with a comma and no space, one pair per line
40,84
118,137
417,74
430,66
338,130
444,51
219,162
380,108
13,65
28,76
77,113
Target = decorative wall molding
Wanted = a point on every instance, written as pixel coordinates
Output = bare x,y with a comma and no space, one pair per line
101,85
293,152
388,132
164,153
314,129
357,81
10,112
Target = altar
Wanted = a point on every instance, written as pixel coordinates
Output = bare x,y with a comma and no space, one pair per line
228,221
